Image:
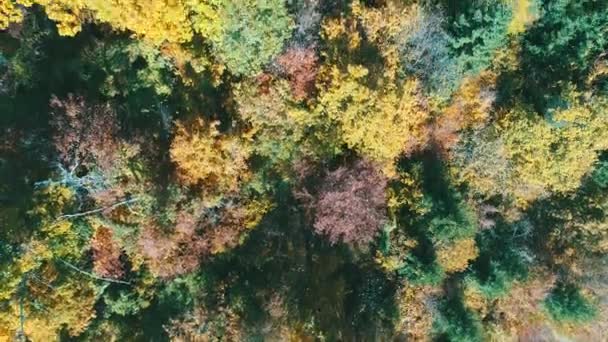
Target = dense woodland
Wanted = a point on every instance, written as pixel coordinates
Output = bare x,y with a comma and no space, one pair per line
305,170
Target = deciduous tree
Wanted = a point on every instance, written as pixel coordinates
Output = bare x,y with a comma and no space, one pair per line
351,205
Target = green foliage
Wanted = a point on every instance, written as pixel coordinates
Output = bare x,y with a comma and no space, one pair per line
567,303
131,70
166,167
248,33
569,36
419,273
456,323
477,35
503,259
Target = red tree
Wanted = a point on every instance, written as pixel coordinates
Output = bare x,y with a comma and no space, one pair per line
84,134
300,66
106,254
172,253
351,205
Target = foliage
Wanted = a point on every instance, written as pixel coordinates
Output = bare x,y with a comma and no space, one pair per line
457,323
477,34
566,303
300,66
204,157
351,204
244,35
361,170
569,36
9,13
86,134
456,258
106,254
562,153
367,118
425,51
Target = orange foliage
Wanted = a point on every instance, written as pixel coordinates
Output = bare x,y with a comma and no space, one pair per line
300,65
469,108
106,254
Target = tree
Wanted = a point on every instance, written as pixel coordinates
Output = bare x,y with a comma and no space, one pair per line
544,155
424,49
525,12
179,247
173,252
569,36
50,306
85,135
157,20
457,256
477,34
351,205
206,158
567,303
300,66
456,323
9,13
106,254
245,35
380,125
469,108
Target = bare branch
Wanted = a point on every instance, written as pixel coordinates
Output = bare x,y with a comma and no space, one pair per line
92,275
98,210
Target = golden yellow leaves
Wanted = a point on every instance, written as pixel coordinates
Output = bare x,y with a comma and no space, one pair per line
9,13
155,20
379,124
554,155
204,157
456,257
524,13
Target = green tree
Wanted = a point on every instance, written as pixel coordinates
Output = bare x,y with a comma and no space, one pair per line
245,34
567,303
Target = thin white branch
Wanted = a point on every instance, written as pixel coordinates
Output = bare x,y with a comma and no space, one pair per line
98,210
94,276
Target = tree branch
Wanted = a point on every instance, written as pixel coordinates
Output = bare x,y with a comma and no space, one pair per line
92,275
98,210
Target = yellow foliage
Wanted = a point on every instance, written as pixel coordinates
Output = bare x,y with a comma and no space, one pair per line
408,193
379,124
182,58
69,14
553,156
9,13
474,300
457,256
383,27
204,157
524,13
154,20
415,316
69,305
334,29
473,100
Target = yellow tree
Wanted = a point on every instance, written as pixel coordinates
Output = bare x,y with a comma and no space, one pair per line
379,124
540,156
456,256
205,157
32,284
9,13
156,20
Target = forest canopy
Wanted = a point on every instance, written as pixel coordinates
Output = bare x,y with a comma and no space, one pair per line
304,170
